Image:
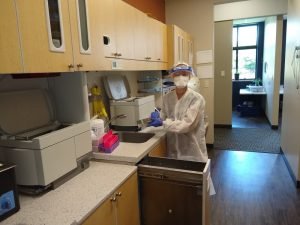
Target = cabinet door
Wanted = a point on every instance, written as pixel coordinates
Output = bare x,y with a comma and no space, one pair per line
188,49
10,52
106,11
163,42
160,150
140,35
127,204
160,41
85,41
103,215
125,18
45,35
179,57
178,46
152,38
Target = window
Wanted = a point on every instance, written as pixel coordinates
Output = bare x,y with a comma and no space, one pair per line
247,42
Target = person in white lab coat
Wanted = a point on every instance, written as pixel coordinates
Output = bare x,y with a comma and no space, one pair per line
183,118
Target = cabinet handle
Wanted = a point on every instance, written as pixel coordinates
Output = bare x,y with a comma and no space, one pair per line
115,54
113,199
119,54
149,57
119,194
79,65
158,59
71,66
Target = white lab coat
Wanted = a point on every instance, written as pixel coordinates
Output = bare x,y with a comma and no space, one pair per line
184,123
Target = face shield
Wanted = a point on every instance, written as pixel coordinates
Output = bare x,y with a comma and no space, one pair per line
182,69
181,74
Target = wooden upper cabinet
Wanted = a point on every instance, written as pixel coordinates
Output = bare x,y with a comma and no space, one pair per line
86,35
63,39
45,35
150,38
106,10
189,49
180,46
10,52
117,23
140,35
125,18
161,53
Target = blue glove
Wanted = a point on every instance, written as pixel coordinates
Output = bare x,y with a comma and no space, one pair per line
155,119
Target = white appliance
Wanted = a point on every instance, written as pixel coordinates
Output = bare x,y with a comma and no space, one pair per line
135,108
43,149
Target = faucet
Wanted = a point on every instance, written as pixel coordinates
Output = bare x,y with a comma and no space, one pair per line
120,116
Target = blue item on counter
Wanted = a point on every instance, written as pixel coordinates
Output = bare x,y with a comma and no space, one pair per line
155,119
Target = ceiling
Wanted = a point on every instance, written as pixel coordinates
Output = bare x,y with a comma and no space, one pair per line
216,2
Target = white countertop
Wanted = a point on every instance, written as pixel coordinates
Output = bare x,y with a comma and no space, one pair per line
248,92
130,153
72,202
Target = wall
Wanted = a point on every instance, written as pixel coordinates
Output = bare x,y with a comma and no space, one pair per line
290,142
96,78
254,8
199,23
272,67
7,83
223,63
67,91
154,8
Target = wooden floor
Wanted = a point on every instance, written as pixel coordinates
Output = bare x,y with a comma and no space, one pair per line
252,189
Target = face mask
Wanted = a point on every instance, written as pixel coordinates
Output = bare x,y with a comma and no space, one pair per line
181,81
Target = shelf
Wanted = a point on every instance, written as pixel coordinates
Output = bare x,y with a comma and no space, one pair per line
149,91
148,80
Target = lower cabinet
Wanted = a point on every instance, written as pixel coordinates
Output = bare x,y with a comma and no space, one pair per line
122,208
159,150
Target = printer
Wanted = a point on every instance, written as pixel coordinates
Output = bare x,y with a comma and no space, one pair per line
43,149
122,103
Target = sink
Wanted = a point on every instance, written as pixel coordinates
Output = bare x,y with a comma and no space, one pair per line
134,137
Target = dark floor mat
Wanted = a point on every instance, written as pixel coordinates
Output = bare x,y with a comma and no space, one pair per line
248,139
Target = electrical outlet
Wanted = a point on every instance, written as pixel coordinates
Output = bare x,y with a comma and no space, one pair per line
222,73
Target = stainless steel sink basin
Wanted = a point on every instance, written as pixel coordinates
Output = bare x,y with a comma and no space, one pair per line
134,137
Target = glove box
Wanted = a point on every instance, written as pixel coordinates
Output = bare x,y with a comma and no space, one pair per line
135,108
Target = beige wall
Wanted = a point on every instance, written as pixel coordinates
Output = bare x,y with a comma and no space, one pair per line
272,67
199,23
223,64
290,141
249,9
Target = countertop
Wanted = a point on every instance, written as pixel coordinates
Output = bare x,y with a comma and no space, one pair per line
75,200
130,153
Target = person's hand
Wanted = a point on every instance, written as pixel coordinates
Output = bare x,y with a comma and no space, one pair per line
155,119
167,123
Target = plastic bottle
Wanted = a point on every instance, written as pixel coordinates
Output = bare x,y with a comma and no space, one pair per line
97,132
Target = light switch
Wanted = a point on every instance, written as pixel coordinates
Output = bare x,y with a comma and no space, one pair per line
222,73
206,84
